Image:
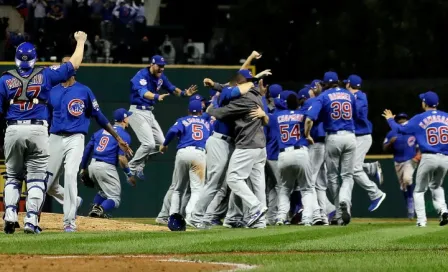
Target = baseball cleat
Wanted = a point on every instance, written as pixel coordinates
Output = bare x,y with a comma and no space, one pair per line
331,215
162,221
10,227
443,219
256,216
376,203
297,217
216,222
421,224
203,226
30,229
234,225
287,223
307,224
69,229
379,173
279,222
97,211
318,222
345,216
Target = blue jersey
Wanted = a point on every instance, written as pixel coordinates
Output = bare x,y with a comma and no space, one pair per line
404,147
104,146
221,126
362,124
71,109
317,131
144,81
336,108
39,87
430,130
191,131
290,125
272,134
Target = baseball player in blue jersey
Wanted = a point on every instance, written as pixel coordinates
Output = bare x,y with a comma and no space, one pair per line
430,130
23,95
72,105
363,131
404,149
145,88
336,108
102,170
189,168
294,162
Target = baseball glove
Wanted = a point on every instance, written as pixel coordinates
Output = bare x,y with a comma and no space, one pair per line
86,180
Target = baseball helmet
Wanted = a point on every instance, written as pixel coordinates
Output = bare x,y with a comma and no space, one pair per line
176,222
26,56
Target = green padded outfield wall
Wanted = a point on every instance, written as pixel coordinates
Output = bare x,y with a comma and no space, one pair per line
110,83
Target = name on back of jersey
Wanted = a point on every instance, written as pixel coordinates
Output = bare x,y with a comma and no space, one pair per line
13,82
431,119
339,96
290,118
193,120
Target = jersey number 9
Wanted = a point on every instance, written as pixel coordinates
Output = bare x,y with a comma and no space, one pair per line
34,90
343,110
288,134
437,135
102,144
197,134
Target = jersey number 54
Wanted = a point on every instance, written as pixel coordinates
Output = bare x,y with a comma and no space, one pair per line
287,133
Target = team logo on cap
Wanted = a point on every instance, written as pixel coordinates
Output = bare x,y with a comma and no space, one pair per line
162,59
76,107
153,61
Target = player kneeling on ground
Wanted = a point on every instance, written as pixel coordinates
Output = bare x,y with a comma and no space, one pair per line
189,168
102,169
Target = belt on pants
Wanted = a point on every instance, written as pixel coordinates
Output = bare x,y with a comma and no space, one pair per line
195,147
66,134
99,160
222,137
291,148
360,135
340,132
26,122
140,107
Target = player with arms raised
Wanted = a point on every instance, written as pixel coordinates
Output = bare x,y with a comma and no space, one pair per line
336,108
431,133
23,95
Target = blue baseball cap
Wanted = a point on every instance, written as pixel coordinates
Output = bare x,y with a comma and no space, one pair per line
26,55
120,114
275,90
401,116
195,106
430,98
354,81
304,93
196,97
247,74
159,60
284,95
330,77
314,83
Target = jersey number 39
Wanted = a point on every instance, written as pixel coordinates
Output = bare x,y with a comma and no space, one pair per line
102,144
287,134
343,110
437,135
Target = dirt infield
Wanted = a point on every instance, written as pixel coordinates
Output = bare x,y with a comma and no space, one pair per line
109,263
53,222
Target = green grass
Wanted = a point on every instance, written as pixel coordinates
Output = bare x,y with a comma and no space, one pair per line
361,246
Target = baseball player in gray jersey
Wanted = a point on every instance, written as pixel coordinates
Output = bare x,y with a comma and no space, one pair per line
248,160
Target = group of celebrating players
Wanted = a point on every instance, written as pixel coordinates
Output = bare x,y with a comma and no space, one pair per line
254,155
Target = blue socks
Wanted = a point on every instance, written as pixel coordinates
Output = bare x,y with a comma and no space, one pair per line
98,199
108,204
296,202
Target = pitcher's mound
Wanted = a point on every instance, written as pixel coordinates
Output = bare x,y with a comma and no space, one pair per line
54,222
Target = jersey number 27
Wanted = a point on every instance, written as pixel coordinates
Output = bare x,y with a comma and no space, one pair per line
437,135
343,110
287,134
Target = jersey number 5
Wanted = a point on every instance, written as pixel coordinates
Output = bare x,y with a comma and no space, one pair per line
343,110
102,144
34,90
287,134
435,136
197,134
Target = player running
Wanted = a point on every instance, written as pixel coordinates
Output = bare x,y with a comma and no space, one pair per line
430,130
72,104
336,107
404,149
189,167
294,162
145,88
23,95
102,170
363,131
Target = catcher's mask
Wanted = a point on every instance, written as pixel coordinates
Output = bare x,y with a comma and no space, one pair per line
176,222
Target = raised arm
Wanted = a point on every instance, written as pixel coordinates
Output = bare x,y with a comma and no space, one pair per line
77,56
253,55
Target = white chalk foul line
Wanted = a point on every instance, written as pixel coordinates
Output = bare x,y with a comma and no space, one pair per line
237,266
